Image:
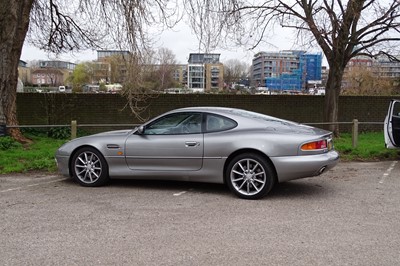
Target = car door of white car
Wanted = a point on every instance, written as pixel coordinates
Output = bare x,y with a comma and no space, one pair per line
171,143
392,125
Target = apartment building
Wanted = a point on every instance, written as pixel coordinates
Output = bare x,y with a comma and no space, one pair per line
47,77
180,74
110,66
205,72
387,67
56,64
104,54
286,70
24,72
381,66
51,73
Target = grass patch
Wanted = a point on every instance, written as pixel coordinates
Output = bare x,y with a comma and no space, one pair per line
15,158
37,156
371,147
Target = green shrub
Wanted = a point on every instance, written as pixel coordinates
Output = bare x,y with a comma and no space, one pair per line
59,132
7,143
37,132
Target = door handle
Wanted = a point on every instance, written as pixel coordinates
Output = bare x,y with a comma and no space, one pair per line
192,144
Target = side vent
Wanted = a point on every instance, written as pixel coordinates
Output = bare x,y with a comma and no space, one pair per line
112,146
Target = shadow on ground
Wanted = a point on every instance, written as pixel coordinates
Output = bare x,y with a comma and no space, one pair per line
297,188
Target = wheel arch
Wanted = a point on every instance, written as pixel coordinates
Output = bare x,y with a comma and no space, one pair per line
249,150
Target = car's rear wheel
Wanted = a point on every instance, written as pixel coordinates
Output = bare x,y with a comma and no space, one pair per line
250,176
89,167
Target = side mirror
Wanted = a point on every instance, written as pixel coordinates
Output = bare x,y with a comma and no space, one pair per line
140,130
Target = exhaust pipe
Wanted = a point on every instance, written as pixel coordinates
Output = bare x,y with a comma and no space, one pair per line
321,170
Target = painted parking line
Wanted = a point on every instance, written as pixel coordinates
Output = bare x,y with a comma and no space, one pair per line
32,185
179,194
387,172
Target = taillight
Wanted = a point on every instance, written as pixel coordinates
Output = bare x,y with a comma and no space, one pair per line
315,145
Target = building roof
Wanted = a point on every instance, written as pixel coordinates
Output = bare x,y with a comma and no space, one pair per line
22,63
203,58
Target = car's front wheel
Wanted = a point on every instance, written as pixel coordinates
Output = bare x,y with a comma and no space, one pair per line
250,176
89,167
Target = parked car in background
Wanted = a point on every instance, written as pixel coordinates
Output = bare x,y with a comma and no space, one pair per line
392,125
248,151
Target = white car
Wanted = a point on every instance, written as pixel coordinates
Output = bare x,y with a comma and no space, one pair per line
392,125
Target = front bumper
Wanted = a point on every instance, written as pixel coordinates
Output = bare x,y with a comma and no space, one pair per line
63,165
295,167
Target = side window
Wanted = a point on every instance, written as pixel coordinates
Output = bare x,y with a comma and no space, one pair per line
174,124
396,109
219,123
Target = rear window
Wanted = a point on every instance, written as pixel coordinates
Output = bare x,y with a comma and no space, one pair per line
254,115
216,123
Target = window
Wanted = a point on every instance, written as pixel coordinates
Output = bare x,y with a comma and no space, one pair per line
396,109
219,123
175,124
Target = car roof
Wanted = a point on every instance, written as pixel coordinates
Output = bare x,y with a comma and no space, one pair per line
213,109
234,113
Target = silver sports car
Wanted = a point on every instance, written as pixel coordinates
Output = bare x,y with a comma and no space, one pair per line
248,151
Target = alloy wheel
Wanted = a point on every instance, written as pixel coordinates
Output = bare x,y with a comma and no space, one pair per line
88,167
248,177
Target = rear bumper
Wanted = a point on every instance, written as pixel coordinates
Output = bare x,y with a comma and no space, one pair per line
295,167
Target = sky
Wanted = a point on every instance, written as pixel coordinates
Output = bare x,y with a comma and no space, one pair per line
180,40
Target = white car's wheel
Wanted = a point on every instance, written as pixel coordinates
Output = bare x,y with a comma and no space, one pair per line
250,176
89,167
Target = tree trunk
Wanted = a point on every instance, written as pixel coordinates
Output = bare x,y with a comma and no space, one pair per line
14,23
332,93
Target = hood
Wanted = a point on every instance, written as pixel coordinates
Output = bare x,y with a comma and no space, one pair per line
114,132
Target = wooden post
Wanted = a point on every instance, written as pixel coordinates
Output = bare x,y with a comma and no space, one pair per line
354,136
74,127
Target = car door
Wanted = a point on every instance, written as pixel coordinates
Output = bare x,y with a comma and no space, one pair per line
392,125
171,143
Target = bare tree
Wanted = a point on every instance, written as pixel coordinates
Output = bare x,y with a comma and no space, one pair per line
361,80
234,70
134,88
58,26
166,65
342,29
146,78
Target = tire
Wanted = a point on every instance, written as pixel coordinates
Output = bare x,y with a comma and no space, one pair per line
89,168
250,176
